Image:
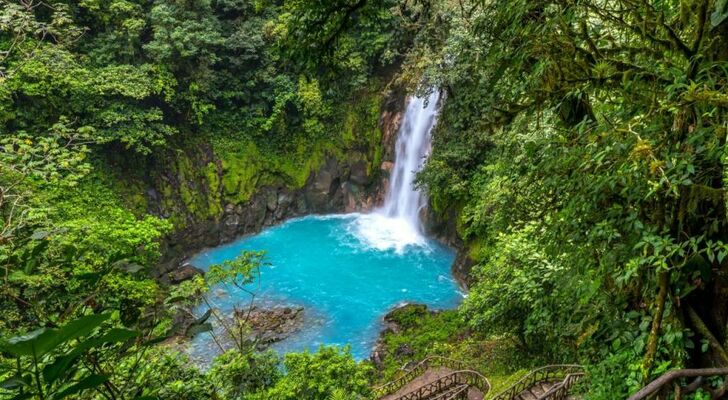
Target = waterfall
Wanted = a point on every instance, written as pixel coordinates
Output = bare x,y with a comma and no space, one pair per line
397,224
404,201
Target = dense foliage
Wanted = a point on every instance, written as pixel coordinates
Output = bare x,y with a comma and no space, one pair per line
581,147
584,145
91,93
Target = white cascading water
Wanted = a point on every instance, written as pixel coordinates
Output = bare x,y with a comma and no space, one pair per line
397,224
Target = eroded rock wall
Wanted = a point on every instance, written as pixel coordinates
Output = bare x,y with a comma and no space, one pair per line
344,181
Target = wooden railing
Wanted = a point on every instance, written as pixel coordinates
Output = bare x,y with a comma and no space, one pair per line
412,373
548,373
661,387
466,378
457,393
560,391
455,386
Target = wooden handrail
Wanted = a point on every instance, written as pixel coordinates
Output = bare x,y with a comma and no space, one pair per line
668,377
459,392
417,370
558,371
464,377
560,391
567,373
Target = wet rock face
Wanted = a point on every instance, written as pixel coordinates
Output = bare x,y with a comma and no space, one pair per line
330,189
339,185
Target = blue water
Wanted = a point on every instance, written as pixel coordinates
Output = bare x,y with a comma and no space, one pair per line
345,278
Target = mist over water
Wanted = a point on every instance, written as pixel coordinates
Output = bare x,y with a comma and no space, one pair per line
348,270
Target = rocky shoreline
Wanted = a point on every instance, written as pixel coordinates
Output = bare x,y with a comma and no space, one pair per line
338,186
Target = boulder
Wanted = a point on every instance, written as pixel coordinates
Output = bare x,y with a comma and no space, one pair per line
184,273
271,199
272,325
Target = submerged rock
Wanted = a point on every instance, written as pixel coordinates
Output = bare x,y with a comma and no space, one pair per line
269,326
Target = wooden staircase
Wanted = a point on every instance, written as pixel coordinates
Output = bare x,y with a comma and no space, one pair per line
440,378
436,378
552,382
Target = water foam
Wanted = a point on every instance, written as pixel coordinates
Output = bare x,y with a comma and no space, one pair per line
380,232
396,225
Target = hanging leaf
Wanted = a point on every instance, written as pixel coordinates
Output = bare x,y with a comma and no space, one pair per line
22,345
203,318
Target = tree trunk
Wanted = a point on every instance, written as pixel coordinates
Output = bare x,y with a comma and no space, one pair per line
649,360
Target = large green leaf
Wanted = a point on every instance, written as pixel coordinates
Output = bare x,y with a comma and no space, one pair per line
720,14
118,335
194,330
41,341
89,382
22,345
53,371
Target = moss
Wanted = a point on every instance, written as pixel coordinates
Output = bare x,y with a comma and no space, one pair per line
199,190
298,167
247,168
240,171
359,127
128,187
193,202
446,333
409,316
477,249
212,178
374,166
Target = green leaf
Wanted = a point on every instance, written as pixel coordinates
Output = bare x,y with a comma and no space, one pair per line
194,330
720,14
128,267
89,382
39,234
22,345
53,371
41,341
118,335
14,382
75,329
